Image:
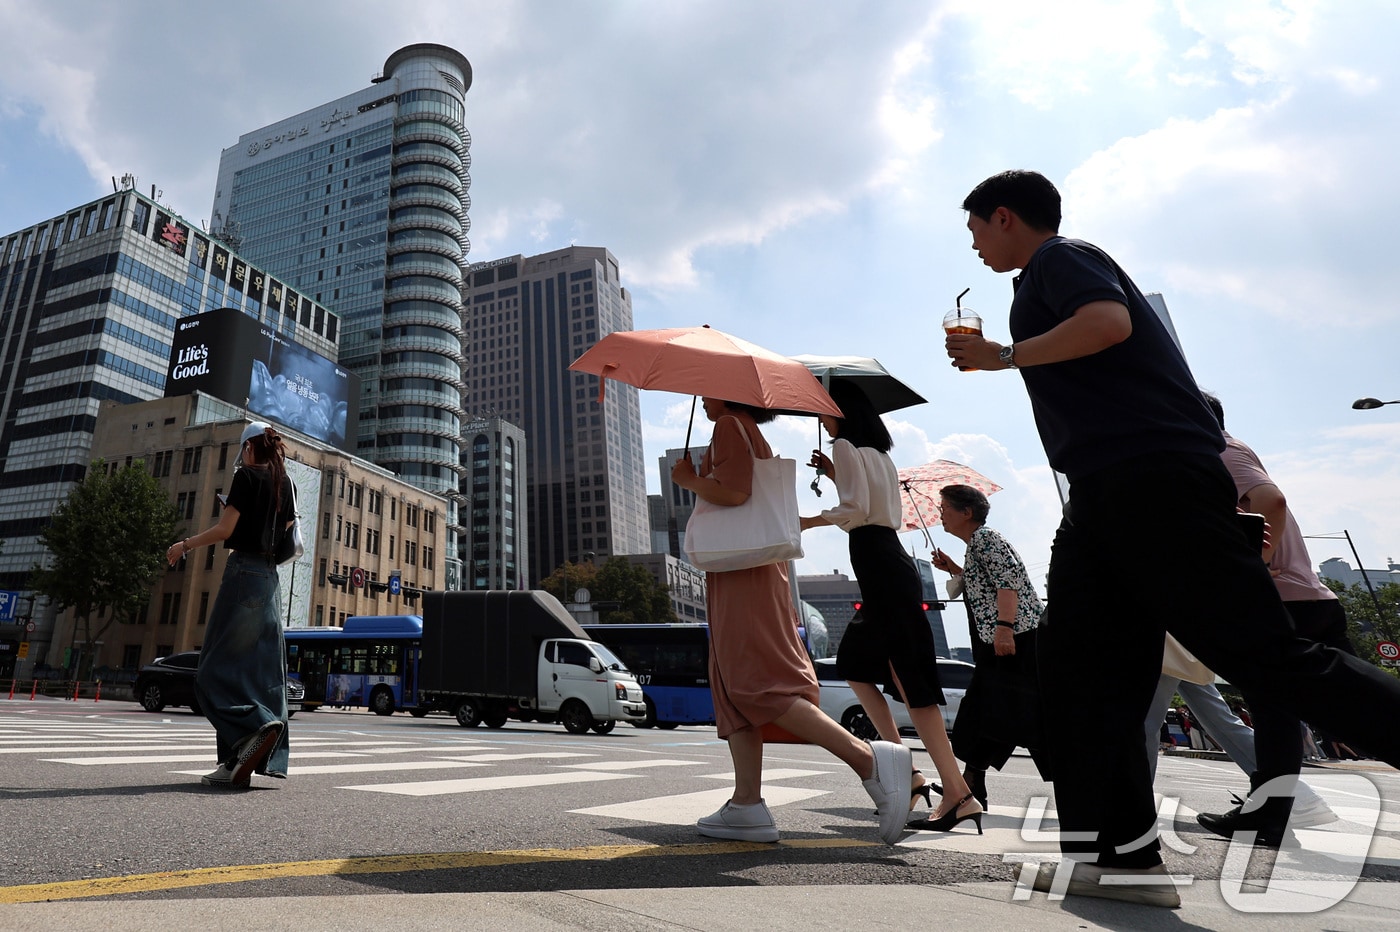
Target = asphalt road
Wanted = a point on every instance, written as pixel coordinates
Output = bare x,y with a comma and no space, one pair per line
104,800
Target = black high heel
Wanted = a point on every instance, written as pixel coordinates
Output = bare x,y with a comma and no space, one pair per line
951,819
923,790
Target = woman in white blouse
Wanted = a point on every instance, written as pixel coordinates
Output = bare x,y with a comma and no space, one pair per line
893,641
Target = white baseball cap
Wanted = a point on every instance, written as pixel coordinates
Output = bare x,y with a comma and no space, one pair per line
255,429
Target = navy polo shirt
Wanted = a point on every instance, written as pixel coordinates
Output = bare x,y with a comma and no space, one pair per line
1135,398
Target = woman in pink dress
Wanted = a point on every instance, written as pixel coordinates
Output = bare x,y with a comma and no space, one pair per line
759,669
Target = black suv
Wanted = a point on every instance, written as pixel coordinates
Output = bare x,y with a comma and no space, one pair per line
170,681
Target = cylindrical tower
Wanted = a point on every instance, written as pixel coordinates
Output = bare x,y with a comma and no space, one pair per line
420,386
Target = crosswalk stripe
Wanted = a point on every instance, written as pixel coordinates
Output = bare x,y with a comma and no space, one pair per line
775,774
482,784
499,758
178,758
634,764
68,748
376,767
685,808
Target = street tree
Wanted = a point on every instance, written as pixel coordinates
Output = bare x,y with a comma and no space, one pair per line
107,543
623,592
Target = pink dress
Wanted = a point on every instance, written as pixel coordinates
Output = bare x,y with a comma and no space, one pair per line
758,664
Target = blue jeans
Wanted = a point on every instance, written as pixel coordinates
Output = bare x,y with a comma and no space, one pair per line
242,677
1220,722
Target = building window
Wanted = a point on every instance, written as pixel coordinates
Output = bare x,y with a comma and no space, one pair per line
169,608
203,608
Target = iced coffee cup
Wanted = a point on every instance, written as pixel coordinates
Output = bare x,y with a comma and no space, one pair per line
962,320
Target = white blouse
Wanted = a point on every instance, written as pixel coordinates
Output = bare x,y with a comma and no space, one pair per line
868,485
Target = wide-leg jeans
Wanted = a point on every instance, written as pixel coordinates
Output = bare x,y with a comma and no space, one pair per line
242,676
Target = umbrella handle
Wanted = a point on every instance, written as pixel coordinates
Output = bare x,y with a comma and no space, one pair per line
689,426
904,483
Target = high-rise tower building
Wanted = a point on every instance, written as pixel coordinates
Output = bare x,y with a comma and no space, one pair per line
527,319
362,202
92,302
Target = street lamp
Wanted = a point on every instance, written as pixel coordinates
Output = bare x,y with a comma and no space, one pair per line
1366,404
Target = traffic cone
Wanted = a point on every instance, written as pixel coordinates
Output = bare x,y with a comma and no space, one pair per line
97,696
12,688
77,684
33,689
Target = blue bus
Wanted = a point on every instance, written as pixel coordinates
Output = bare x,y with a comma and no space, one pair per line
672,664
372,661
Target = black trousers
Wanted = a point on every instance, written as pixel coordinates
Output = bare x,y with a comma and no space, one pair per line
1278,732
1153,545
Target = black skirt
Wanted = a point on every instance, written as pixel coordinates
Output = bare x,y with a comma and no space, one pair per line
1002,708
893,630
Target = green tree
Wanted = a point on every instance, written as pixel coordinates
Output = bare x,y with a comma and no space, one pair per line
624,593
1364,626
107,541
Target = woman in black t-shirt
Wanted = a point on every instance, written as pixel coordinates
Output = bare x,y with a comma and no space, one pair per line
242,679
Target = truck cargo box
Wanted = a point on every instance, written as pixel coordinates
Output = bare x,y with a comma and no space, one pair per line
487,643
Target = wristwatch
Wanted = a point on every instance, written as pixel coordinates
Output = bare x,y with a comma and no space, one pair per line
1008,355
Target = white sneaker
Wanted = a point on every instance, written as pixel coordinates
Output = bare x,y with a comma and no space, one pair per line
740,823
223,778
890,787
1315,812
254,751
1150,886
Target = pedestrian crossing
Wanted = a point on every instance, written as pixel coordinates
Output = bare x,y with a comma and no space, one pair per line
445,762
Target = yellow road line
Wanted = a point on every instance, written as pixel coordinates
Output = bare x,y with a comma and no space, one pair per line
387,864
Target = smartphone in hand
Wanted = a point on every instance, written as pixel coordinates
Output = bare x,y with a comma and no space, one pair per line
1253,526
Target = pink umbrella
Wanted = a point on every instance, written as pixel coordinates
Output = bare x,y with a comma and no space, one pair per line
703,361
921,485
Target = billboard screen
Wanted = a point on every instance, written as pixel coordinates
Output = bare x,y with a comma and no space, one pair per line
227,354
289,384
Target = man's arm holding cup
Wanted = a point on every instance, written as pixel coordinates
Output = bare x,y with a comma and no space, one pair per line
1094,328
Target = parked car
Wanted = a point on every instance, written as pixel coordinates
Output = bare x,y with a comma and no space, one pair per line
170,681
839,700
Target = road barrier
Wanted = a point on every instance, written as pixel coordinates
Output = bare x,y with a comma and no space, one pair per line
68,690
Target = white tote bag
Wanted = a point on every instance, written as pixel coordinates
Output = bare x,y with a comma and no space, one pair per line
764,529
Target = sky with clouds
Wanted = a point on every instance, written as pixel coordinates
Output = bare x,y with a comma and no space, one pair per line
791,172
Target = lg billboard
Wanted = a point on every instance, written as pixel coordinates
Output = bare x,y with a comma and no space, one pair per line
227,354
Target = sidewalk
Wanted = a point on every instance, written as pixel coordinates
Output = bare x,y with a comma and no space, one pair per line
776,908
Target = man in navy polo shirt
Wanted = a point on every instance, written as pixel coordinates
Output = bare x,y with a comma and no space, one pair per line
1121,416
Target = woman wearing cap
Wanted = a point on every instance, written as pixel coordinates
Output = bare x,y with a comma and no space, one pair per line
242,679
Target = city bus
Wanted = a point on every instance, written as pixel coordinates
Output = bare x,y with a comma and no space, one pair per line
672,664
372,661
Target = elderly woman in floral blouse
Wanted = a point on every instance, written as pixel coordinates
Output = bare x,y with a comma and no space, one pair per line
1001,604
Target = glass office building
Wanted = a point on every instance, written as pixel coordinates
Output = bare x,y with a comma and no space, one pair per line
90,305
494,549
527,319
363,202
